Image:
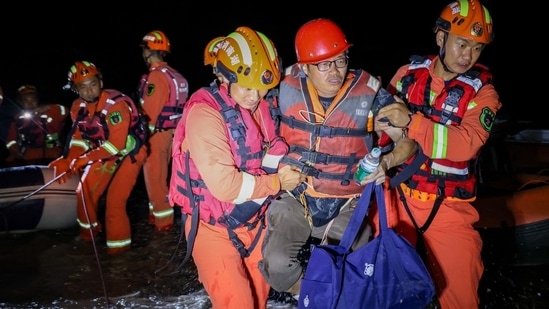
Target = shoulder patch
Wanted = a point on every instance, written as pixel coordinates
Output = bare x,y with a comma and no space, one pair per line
150,89
487,118
115,118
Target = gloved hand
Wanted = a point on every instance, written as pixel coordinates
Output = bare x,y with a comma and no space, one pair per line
393,115
289,177
60,166
379,175
78,164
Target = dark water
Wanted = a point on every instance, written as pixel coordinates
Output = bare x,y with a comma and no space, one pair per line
51,269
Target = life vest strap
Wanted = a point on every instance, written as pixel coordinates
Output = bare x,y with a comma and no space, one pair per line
428,197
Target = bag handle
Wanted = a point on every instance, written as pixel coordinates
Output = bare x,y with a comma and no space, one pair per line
360,213
382,211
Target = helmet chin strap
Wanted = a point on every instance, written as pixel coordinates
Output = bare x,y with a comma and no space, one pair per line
91,101
147,60
442,55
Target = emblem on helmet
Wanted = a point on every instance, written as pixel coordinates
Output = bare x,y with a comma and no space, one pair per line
476,29
267,77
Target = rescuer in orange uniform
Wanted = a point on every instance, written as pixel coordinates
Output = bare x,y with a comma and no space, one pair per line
163,92
450,108
105,150
37,132
224,173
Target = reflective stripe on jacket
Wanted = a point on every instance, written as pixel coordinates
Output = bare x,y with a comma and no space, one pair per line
448,109
247,142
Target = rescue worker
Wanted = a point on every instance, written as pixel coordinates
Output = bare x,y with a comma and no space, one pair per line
163,92
224,172
36,134
450,125
327,119
106,150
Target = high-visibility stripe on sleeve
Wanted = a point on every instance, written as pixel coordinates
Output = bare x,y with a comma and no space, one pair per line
80,143
110,148
440,142
246,189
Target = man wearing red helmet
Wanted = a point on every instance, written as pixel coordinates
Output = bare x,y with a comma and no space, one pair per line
37,131
450,108
162,92
105,148
327,119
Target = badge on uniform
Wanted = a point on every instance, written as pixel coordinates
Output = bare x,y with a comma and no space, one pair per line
150,89
115,118
487,118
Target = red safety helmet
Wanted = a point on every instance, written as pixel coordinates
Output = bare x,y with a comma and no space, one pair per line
318,40
80,71
156,40
468,19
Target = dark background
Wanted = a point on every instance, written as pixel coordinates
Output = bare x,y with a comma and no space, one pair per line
41,41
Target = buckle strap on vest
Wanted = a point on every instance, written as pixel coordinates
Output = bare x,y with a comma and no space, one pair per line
321,130
239,245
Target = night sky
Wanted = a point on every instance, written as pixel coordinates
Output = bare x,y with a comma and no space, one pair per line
41,42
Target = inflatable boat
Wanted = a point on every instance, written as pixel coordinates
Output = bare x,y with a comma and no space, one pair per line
31,200
513,200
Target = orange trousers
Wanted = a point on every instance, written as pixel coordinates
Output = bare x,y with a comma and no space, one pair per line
93,182
232,282
155,173
117,222
453,246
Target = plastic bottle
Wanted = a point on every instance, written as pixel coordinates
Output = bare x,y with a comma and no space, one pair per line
368,164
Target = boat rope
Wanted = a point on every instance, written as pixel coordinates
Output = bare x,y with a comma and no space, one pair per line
93,244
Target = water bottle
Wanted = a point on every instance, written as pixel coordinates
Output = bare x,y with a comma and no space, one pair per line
368,164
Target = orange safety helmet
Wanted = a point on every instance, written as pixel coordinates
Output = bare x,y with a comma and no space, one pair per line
27,89
248,58
318,40
80,71
211,49
468,19
156,40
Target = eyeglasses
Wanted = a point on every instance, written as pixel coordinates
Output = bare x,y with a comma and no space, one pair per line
326,65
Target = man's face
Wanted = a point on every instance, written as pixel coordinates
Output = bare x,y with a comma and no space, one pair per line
89,89
460,53
29,101
246,97
327,83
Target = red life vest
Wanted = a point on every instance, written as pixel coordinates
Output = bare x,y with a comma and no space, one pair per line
248,147
95,129
328,143
456,179
173,107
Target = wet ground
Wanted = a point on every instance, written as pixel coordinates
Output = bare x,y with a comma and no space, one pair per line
51,269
